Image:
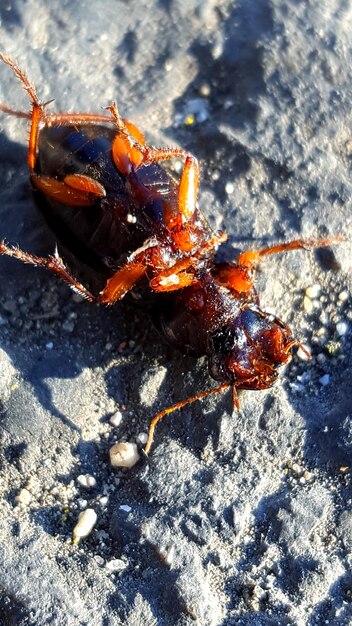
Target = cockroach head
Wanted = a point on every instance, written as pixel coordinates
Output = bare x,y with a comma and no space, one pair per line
249,350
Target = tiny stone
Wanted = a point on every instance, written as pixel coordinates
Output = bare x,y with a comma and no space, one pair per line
341,328
82,503
313,291
142,438
124,454
99,560
229,188
68,326
307,304
321,358
49,345
24,497
116,419
125,507
116,565
86,522
324,380
204,90
343,295
85,480
104,500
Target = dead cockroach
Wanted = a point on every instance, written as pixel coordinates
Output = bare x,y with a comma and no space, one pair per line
109,202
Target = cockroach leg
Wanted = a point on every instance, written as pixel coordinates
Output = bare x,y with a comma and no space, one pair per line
22,76
74,190
52,263
175,277
9,111
159,416
121,282
251,258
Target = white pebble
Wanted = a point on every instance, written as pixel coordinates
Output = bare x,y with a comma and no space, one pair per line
24,497
116,565
142,438
313,291
131,218
341,328
324,380
308,304
124,454
49,345
116,419
85,480
86,522
229,188
343,295
125,507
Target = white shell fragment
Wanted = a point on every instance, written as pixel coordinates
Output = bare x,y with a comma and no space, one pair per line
86,522
124,454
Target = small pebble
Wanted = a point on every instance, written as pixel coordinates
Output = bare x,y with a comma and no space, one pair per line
86,522
49,345
142,438
308,305
341,328
321,358
313,291
343,295
124,454
324,380
125,507
85,480
24,497
115,565
116,419
229,188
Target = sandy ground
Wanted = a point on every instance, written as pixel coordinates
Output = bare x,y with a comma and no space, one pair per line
238,518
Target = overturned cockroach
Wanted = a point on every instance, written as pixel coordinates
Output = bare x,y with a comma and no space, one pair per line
109,202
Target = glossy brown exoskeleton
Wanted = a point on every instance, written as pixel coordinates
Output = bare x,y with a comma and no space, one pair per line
109,202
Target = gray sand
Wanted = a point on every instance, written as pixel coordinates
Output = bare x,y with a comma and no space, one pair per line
238,518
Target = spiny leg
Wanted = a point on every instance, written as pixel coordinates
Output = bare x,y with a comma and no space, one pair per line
251,258
174,407
240,277
22,76
116,287
52,263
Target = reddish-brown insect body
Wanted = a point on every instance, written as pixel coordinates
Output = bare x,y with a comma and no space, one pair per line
110,203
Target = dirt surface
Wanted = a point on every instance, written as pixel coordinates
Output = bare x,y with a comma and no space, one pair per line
239,518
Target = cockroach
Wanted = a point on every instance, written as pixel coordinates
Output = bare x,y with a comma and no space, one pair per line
111,204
